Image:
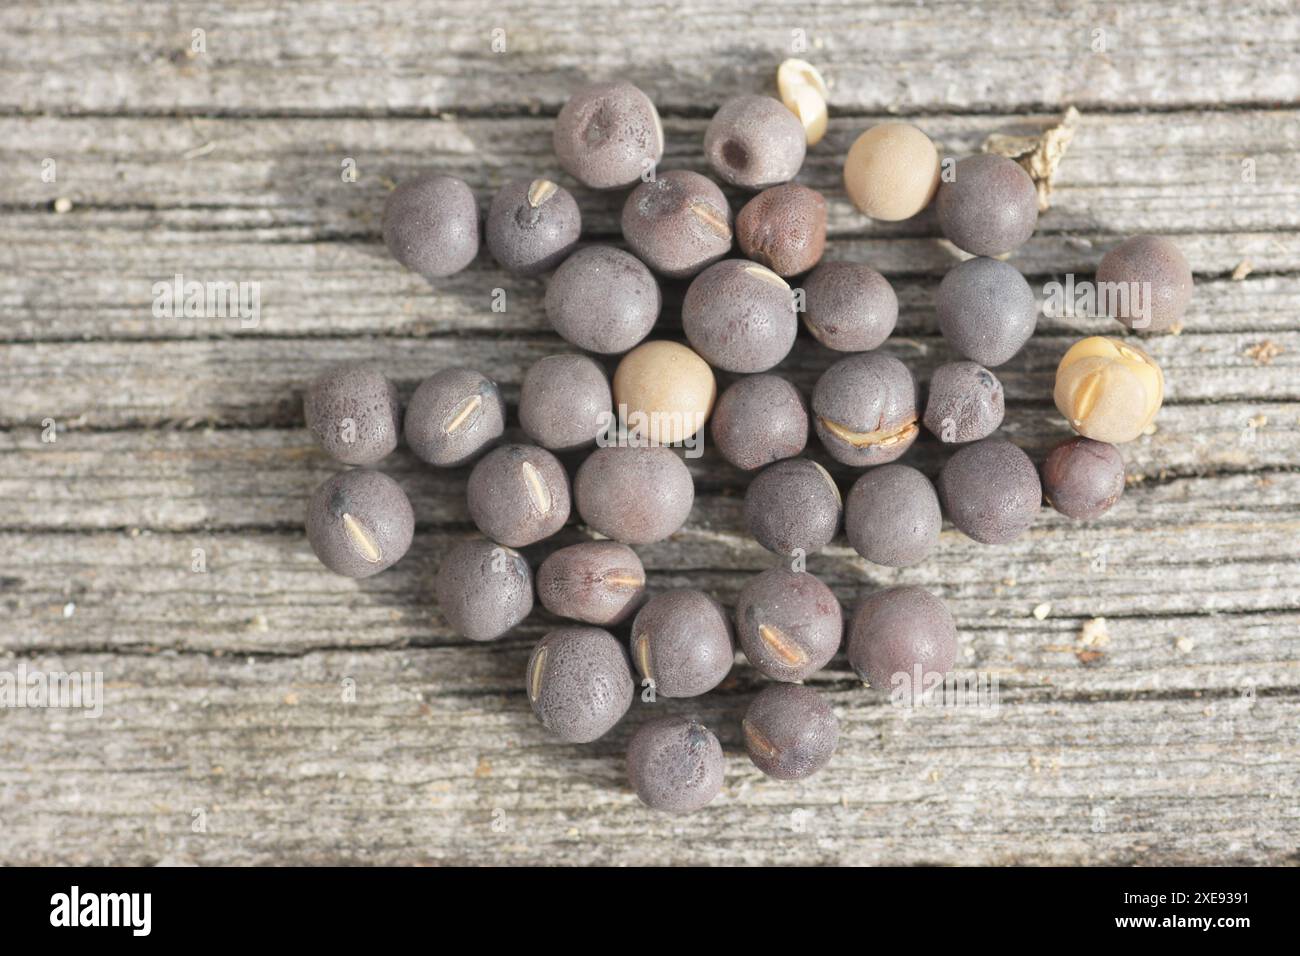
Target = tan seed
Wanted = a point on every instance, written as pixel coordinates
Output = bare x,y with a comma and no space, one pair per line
362,540
539,191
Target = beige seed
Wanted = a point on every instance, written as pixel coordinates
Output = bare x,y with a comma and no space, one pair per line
538,492
756,741
539,191
790,653
535,675
362,540
804,93
465,412
712,220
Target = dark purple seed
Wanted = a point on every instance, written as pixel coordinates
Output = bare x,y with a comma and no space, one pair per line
675,764
453,416
608,135
483,589
532,225
755,142
1083,478
1152,283
359,522
431,225
790,732
564,402
682,643
740,316
987,311
865,409
901,635
518,495
353,412
596,582
634,495
989,207
849,307
603,300
678,223
784,228
758,420
965,403
789,624
579,683
892,516
793,507
991,491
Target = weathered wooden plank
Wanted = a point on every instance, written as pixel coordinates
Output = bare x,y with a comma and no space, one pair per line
254,382
451,767
367,57
230,479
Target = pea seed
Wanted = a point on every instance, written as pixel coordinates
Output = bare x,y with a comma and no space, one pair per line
1108,391
865,409
803,91
453,416
532,226
892,516
519,495
483,589
1083,478
354,414
789,624
678,223
991,491
755,142
758,420
579,683
597,582
359,522
898,631
793,506
1157,278
675,764
740,316
790,731
891,171
682,641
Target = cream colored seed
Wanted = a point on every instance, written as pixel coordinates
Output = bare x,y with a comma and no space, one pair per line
464,412
362,540
790,653
538,492
539,191
803,91
882,438
757,741
767,275
535,675
714,222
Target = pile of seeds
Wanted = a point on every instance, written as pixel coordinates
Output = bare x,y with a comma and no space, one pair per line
739,315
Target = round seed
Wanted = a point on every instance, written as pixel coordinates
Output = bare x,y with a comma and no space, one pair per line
892,516
634,495
483,589
1108,390
597,582
1083,478
793,507
990,490
740,316
965,403
354,414
453,416
790,732
564,402
784,228
675,764
1156,277
579,683
431,225
849,307
987,311
758,420
803,91
901,635
664,392
681,641
865,409
532,225
892,171
359,522
989,207
755,142
789,624
518,495
678,224
603,300
608,135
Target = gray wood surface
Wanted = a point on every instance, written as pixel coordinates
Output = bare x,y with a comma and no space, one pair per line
264,711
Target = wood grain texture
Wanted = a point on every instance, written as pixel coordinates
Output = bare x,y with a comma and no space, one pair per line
1170,739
